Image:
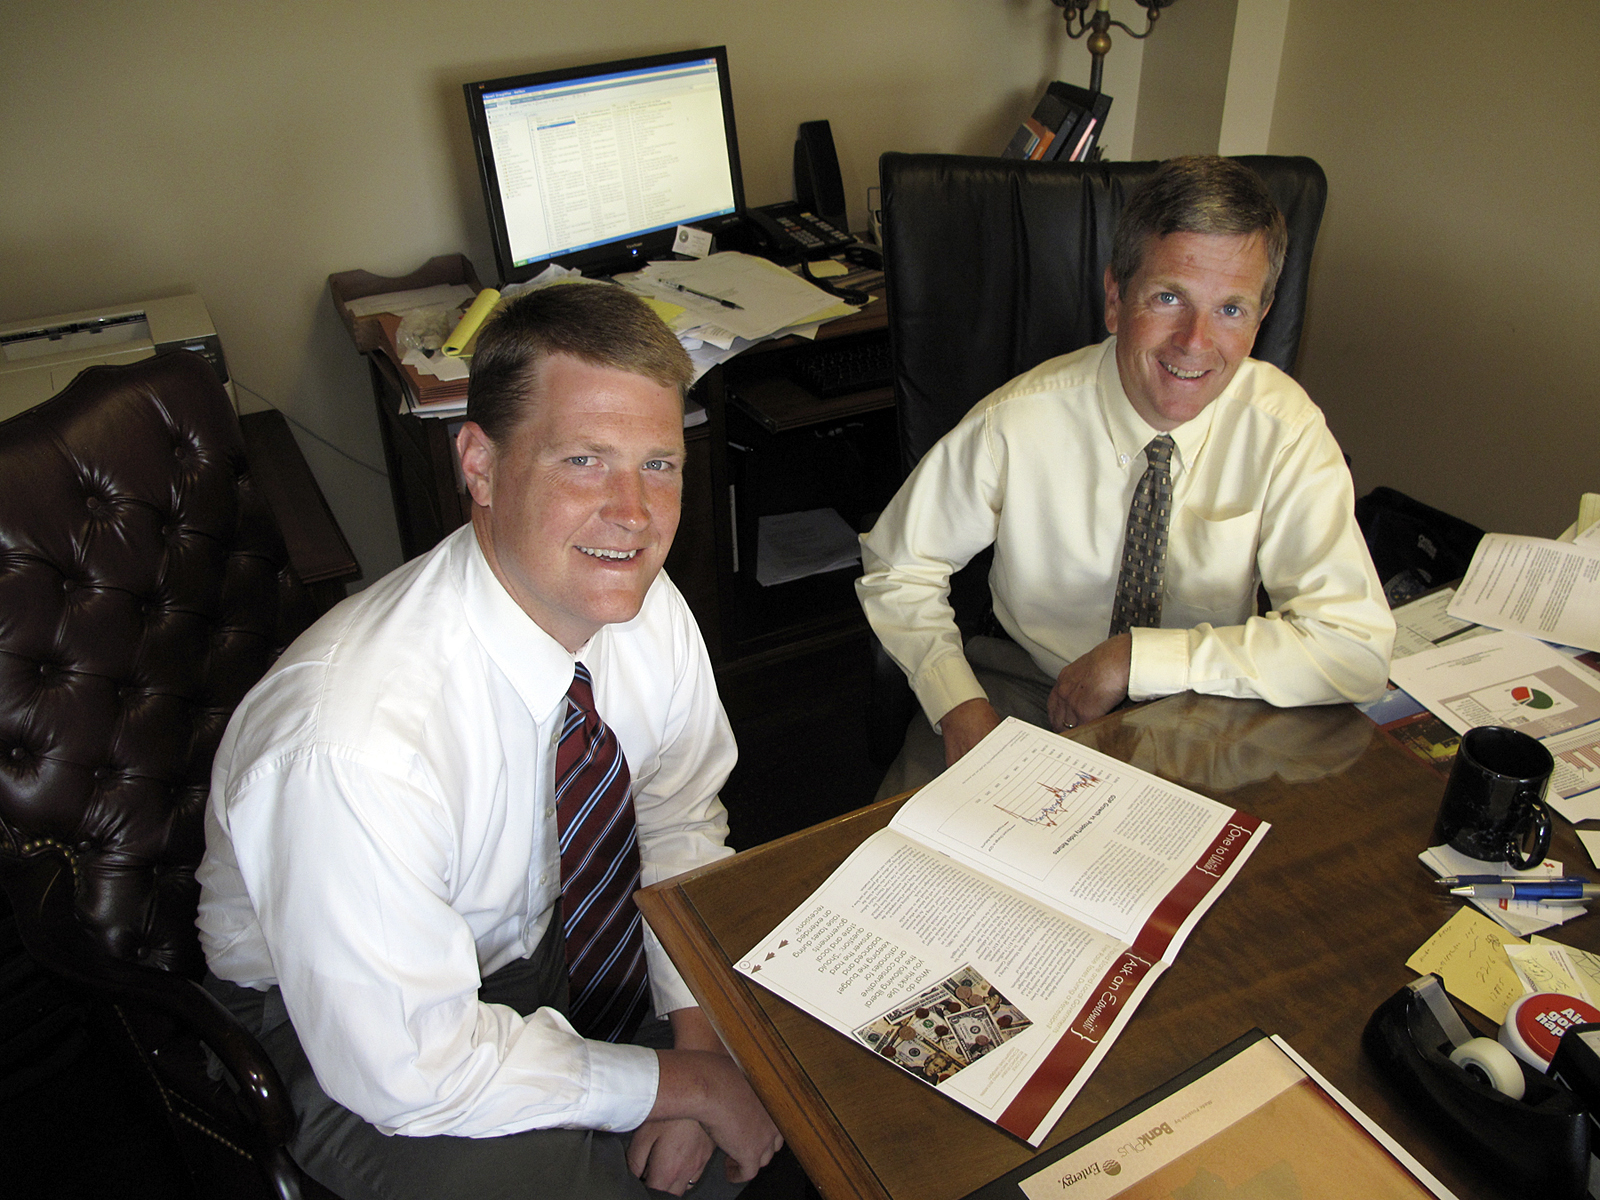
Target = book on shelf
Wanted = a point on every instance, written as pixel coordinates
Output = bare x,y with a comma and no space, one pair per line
1254,1119
1064,126
996,938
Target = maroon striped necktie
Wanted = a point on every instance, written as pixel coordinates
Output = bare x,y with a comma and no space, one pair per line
599,872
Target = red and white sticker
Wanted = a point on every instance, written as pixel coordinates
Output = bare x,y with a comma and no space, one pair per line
1534,1024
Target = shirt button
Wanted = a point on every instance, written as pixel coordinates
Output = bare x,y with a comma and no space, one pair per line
542,879
550,812
1122,459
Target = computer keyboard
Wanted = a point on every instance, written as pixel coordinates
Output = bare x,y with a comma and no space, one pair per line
837,370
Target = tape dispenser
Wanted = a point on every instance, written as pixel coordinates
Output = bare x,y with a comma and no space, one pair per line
1520,1124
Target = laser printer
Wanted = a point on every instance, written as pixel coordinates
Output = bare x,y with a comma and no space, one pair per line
41,355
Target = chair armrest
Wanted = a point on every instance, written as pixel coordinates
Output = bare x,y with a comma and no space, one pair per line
41,886
317,547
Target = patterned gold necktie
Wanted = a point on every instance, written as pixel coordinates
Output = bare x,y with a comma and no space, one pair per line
599,872
1144,547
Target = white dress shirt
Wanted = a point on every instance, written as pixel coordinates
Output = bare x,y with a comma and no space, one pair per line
381,834
1044,469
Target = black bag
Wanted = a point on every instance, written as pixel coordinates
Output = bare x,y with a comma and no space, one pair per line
1414,547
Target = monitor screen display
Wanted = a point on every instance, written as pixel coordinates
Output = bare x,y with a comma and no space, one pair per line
595,167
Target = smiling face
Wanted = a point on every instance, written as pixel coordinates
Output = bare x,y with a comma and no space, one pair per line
576,511
1186,320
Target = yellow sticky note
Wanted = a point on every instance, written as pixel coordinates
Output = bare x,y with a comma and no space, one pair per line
828,268
1468,953
664,309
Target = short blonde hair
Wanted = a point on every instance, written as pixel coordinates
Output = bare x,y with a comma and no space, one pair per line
599,323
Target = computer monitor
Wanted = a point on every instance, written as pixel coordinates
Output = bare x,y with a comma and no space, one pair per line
595,167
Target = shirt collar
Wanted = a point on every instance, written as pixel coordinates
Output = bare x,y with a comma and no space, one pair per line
538,667
1129,432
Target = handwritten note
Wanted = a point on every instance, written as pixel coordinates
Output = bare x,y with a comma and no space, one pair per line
1469,953
1546,967
1581,968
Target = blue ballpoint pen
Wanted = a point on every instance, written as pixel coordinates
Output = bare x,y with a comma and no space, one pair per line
1455,880
1544,889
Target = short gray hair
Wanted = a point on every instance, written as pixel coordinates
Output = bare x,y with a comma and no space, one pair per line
1200,193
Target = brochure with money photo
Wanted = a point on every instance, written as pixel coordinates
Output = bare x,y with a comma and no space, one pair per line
997,936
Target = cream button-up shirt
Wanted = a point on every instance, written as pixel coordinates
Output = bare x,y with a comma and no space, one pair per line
1044,470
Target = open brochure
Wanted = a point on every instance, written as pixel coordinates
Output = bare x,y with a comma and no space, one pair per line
997,936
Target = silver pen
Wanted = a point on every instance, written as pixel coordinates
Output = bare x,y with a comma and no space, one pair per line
1547,889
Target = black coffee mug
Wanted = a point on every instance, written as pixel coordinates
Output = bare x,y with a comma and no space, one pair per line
1494,806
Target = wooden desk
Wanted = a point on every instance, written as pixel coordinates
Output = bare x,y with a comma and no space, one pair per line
1309,939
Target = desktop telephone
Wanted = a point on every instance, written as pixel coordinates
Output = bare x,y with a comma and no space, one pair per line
789,229
792,229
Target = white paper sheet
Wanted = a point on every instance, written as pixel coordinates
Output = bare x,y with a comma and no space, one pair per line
1425,623
1508,679
769,298
1537,586
791,546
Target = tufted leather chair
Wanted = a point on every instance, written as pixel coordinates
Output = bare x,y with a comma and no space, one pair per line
994,265
144,588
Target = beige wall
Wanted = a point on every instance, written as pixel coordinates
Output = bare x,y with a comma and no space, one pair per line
1454,304
1183,86
247,151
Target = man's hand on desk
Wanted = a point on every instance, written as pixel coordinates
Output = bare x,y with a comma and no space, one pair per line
702,1093
1092,684
964,726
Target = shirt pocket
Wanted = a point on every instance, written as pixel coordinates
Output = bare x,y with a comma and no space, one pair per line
1211,569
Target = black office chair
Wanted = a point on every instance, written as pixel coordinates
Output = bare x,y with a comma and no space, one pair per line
144,587
995,265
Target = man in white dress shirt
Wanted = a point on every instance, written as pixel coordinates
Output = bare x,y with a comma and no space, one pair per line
382,875
1045,470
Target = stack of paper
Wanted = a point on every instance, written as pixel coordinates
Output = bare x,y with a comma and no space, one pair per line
1529,662
793,545
764,301
769,302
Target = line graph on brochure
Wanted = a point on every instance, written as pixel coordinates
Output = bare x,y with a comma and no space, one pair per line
1037,809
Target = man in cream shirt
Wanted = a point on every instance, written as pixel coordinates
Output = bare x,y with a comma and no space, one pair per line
1045,469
